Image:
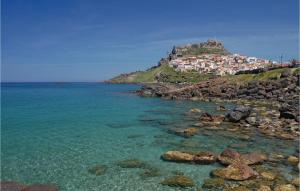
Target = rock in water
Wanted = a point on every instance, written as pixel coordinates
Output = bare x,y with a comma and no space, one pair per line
178,181
254,158
131,163
98,170
40,187
188,132
189,157
195,110
285,187
177,156
11,186
216,183
264,188
228,156
293,160
238,113
235,171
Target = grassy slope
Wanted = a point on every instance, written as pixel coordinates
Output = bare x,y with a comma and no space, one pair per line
274,74
172,76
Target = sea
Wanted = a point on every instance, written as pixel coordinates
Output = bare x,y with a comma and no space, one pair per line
52,133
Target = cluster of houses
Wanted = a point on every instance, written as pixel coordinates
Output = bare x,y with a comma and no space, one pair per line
218,64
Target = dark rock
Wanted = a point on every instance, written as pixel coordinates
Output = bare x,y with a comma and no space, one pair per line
286,73
238,113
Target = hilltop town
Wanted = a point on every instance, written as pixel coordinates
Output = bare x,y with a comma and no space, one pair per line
196,62
212,58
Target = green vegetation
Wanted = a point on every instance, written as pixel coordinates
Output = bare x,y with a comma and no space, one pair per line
163,73
198,51
272,74
167,74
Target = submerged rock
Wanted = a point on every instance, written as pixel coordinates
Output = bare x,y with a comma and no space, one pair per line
131,163
11,186
150,172
178,181
296,182
195,110
293,160
98,170
264,188
221,108
285,187
254,158
235,171
40,187
214,183
189,157
268,175
188,132
208,118
229,156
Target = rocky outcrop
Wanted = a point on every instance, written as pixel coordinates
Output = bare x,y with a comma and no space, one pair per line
284,90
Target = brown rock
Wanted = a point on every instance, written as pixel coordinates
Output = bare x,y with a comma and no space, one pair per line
205,158
40,187
178,181
195,110
267,175
188,132
235,171
296,182
254,158
228,156
285,187
177,156
264,188
11,186
293,160
189,157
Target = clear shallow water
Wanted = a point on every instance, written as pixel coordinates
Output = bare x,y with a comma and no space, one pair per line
53,132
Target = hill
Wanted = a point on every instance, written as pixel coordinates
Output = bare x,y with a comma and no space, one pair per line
161,73
164,73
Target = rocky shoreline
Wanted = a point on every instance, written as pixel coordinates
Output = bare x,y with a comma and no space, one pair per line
269,108
280,98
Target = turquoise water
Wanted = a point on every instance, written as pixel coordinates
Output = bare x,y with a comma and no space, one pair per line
53,132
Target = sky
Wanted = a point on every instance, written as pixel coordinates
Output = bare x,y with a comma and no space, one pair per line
94,40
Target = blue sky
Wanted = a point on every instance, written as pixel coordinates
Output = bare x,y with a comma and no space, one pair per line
93,40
